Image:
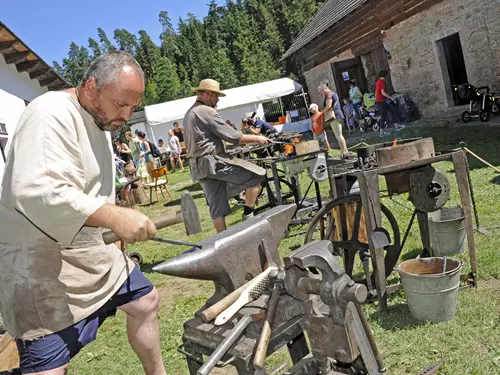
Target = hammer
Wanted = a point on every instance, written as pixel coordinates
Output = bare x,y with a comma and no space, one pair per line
188,215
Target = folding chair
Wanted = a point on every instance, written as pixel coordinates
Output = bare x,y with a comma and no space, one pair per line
157,183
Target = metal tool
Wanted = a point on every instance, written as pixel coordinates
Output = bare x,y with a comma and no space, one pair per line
432,369
265,335
188,215
249,317
211,313
175,242
254,290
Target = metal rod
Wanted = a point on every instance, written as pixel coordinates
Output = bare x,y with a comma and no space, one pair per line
408,229
225,346
175,242
482,160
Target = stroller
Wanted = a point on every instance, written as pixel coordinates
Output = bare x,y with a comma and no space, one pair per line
481,102
369,113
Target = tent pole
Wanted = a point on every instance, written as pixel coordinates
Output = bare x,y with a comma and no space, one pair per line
152,133
281,106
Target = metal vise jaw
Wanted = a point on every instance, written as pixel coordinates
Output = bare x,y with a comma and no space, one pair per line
235,256
336,333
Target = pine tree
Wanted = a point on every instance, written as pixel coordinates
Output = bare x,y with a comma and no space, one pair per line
76,64
126,41
148,55
106,45
95,48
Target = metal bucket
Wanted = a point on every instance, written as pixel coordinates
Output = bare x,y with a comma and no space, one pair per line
447,231
431,293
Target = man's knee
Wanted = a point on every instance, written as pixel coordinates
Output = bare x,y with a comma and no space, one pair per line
144,306
63,370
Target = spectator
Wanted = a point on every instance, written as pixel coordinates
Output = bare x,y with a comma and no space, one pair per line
383,99
146,154
356,98
178,132
231,124
165,152
349,115
333,116
321,137
123,150
134,145
175,150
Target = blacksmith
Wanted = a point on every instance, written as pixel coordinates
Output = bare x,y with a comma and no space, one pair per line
220,176
58,280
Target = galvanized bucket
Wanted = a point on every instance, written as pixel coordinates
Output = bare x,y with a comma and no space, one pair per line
431,293
447,231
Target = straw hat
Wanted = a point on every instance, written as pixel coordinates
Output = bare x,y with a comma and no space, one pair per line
209,85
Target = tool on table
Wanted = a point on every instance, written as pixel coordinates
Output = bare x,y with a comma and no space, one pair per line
249,315
433,369
254,290
213,311
261,352
175,242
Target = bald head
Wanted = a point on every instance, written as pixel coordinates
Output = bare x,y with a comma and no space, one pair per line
111,89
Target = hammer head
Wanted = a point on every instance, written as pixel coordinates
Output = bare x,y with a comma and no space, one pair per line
235,256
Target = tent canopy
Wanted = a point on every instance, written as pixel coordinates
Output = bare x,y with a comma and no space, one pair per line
237,97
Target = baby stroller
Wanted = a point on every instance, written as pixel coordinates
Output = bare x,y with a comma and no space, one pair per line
369,113
481,101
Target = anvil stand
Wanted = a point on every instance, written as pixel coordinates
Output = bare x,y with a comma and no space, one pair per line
370,197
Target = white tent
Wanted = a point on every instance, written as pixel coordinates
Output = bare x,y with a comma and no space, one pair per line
244,96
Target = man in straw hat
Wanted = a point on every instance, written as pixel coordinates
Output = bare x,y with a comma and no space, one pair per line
219,176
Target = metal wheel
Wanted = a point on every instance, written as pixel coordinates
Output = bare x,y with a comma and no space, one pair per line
136,258
348,236
267,194
466,117
495,108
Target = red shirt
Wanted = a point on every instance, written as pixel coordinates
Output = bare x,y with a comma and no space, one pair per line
378,91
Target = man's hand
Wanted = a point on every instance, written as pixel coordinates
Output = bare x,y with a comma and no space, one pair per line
128,224
262,140
254,139
132,225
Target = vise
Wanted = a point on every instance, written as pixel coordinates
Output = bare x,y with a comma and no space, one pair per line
325,307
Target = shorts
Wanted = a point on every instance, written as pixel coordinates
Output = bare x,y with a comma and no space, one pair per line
228,181
56,350
175,154
321,137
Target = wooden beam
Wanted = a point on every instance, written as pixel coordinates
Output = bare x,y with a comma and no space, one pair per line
16,57
57,86
25,66
47,81
39,72
5,46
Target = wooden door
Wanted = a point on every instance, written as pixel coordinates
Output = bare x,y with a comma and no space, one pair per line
379,59
347,70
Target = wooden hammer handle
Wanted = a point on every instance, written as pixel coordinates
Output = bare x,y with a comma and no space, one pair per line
213,311
265,336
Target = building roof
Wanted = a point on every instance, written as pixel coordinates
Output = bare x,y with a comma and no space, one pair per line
330,13
15,51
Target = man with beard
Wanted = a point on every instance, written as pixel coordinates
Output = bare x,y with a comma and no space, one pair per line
58,280
219,176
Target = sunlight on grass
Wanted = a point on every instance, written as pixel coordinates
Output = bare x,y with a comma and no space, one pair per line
470,344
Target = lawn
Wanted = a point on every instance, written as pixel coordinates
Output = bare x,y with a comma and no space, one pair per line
470,343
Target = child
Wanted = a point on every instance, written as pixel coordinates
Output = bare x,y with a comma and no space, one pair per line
175,150
317,126
349,115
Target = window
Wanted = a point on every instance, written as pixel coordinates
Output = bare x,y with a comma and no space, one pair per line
3,129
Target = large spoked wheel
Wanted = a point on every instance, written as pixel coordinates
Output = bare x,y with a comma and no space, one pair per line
267,197
340,221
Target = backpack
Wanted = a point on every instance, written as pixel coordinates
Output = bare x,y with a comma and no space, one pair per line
154,150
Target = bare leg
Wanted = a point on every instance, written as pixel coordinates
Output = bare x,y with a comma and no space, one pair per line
143,332
63,370
219,224
343,145
251,195
180,163
172,161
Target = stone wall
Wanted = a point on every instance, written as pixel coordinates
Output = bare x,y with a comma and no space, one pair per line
320,74
369,69
418,67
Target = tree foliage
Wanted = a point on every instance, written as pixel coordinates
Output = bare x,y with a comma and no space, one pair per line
238,43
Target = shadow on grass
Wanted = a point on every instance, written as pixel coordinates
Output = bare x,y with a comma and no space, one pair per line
495,180
148,267
397,317
411,254
193,187
177,202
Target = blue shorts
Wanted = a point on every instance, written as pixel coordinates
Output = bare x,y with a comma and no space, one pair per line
56,350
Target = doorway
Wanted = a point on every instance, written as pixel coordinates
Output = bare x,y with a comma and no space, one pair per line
451,57
348,70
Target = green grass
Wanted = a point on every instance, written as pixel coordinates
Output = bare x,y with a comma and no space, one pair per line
470,343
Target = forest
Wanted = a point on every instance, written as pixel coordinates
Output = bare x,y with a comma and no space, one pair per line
238,43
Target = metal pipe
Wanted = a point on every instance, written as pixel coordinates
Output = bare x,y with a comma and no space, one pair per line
308,285
175,242
371,339
225,345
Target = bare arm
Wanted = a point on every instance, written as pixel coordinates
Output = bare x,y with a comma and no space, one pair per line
329,105
255,131
253,139
387,95
125,149
148,149
128,224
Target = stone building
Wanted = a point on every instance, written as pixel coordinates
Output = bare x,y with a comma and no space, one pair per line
427,45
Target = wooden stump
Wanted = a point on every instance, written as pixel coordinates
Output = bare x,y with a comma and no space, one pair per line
9,358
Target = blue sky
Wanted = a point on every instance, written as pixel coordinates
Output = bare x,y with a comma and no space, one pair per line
49,26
